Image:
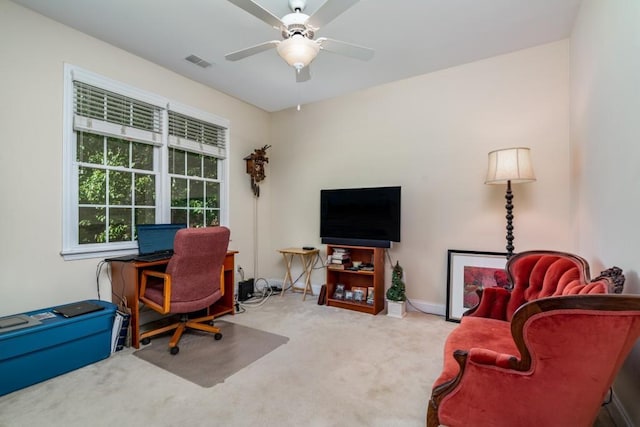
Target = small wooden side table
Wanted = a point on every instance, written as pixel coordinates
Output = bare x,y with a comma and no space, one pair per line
307,257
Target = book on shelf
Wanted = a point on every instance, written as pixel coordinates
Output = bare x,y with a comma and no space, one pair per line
338,266
341,261
340,250
341,253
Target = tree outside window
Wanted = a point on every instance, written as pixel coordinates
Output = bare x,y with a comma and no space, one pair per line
133,157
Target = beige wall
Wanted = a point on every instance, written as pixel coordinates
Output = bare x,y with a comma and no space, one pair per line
33,50
431,135
605,95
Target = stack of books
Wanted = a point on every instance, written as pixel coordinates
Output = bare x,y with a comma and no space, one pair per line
340,259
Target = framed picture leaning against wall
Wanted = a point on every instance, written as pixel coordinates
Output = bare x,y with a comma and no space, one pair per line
467,272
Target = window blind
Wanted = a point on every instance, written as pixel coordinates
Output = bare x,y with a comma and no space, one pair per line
100,111
190,134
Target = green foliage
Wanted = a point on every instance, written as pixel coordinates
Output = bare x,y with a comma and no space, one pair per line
116,188
397,290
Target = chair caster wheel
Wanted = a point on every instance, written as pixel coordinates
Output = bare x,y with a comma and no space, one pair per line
217,336
145,341
174,350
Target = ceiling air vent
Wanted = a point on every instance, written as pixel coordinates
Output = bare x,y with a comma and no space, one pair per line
198,61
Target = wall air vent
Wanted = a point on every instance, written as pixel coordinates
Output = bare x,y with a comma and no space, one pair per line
198,61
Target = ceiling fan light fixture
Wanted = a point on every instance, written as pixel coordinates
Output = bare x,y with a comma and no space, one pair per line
298,51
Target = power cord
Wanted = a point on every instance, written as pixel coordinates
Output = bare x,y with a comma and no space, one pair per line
417,309
256,300
264,292
386,251
322,263
98,272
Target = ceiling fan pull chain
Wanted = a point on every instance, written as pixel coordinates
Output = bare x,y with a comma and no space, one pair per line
299,95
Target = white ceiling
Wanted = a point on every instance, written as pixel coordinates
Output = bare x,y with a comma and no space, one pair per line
410,37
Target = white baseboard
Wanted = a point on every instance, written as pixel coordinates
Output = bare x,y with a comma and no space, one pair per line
618,413
426,307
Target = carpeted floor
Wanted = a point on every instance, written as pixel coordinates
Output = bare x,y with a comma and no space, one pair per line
207,362
339,368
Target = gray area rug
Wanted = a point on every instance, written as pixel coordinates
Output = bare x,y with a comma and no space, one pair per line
207,362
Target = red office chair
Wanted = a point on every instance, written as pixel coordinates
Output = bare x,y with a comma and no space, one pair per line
192,282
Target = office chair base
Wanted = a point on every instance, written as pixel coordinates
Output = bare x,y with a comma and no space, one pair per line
204,323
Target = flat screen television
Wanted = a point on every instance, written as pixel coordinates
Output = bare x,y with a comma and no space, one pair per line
360,216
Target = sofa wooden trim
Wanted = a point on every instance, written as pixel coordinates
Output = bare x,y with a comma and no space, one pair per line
599,302
612,279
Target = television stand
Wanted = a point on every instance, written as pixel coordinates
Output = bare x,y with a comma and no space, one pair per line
369,276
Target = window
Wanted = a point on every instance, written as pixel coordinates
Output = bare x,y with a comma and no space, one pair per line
195,187
135,158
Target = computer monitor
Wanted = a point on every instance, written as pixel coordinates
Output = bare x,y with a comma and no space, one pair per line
153,238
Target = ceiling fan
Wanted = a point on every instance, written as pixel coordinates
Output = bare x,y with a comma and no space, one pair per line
298,46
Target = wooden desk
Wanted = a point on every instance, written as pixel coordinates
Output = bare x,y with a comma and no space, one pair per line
307,257
125,287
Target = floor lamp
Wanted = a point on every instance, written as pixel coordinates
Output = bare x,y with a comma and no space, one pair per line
506,166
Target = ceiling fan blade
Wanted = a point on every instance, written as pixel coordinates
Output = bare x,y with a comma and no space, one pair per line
329,11
347,49
243,53
303,74
258,11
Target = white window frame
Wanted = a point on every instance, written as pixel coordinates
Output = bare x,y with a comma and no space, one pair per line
71,249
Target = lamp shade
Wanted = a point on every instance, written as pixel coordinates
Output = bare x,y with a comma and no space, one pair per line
298,50
510,164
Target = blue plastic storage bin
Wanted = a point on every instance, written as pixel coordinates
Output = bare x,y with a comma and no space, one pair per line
56,346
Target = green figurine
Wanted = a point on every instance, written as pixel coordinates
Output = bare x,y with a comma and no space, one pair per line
397,291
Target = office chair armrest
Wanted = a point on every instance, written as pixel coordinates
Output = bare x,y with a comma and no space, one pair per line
166,291
222,280
154,273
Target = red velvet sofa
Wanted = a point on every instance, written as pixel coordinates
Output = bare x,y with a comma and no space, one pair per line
542,352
